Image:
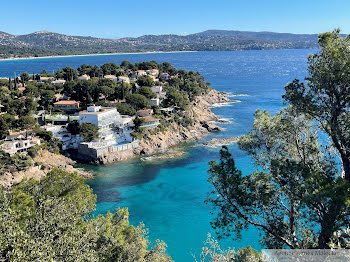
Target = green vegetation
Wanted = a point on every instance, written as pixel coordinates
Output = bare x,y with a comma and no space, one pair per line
212,252
22,105
176,98
51,220
298,197
126,109
47,43
137,101
17,162
145,81
88,131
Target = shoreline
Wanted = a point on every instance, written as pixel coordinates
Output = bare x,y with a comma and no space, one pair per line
94,54
158,143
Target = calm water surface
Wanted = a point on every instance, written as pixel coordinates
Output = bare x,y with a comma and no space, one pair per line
168,196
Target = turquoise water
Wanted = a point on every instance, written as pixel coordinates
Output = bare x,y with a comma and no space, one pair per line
168,196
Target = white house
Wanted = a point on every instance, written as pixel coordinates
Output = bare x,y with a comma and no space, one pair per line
84,77
154,101
114,132
44,79
123,79
58,82
112,77
165,76
153,72
19,145
141,73
150,122
100,116
157,89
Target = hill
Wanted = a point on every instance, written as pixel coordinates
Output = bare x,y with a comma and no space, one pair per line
44,43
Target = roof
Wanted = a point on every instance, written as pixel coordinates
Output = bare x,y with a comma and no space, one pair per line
58,96
150,119
102,110
110,76
144,112
123,77
58,81
46,77
66,102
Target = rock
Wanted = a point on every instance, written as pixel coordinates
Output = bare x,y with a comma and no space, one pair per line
221,141
153,143
211,127
45,161
223,121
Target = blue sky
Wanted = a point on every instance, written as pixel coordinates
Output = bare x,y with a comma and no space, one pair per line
115,18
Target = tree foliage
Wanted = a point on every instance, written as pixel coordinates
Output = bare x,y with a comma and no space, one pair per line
88,131
137,101
326,96
51,220
298,198
212,252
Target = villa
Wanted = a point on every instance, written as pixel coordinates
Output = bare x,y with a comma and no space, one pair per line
159,91
153,72
141,73
124,79
146,112
58,82
44,79
154,101
84,77
165,76
150,122
19,142
100,116
114,132
112,77
67,105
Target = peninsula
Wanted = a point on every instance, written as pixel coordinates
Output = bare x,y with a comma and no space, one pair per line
44,43
100,115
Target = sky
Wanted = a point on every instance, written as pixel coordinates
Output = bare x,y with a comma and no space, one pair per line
116,18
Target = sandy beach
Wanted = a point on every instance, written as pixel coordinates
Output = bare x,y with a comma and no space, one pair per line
104,54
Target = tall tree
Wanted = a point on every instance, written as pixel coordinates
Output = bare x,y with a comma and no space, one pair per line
326,95
299,197
296,199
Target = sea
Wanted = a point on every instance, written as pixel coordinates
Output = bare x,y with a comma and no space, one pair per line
168,196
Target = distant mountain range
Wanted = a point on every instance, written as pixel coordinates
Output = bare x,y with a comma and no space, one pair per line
45,43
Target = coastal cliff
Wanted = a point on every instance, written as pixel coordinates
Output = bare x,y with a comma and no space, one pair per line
174,134
44,162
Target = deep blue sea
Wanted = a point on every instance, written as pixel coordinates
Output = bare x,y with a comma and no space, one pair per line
168,196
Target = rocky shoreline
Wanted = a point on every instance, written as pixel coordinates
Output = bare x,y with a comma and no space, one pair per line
44,162
175,134
152,146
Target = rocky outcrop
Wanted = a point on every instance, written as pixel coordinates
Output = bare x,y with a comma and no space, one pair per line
44,162
221,141
115,157
175,134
